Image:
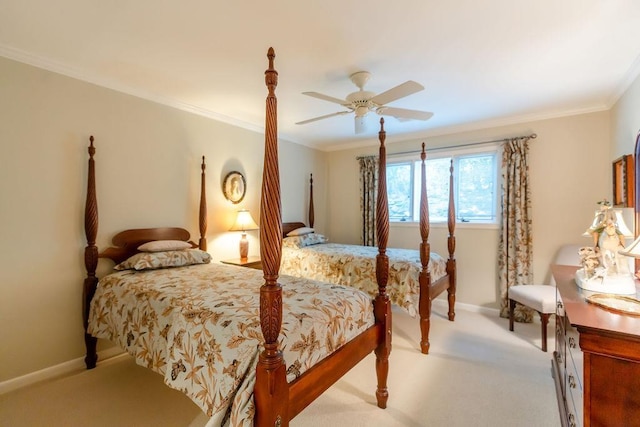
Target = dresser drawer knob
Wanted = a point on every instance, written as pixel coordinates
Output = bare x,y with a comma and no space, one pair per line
572,342
572,420
572,381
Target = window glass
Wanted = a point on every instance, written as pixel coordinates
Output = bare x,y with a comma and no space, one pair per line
399,190
476,188
475,178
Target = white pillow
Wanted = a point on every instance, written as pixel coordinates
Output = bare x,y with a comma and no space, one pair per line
301,231
164,245
298,242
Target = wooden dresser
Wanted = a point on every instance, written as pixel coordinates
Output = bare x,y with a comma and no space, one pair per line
596,363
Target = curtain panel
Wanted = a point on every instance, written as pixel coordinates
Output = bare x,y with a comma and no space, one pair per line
515,248
368,196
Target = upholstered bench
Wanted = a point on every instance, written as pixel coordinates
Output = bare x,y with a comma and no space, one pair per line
542,298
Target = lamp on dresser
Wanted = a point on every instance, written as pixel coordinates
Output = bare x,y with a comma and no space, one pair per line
605,266
244,222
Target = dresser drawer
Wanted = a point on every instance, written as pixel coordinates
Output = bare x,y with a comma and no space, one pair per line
560,335
574,399
574,416
574,372
574,354
560,354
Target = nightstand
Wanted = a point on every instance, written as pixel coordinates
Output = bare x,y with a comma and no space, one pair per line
250,262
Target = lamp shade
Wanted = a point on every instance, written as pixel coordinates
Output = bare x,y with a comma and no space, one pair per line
633,250
605,214
622,225
244,222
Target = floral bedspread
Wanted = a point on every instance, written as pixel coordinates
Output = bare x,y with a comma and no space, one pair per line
199,327
355,266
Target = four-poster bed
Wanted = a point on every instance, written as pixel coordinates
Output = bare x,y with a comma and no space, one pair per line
215,332
416,277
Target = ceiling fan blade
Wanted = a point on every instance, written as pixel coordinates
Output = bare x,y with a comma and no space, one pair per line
327,98
339,113
403,113
405,89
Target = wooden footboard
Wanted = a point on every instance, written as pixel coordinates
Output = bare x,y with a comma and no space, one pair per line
428,290
277,402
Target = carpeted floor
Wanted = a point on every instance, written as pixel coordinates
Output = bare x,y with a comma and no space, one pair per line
477,374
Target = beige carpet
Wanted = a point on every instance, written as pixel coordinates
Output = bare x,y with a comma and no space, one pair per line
477,374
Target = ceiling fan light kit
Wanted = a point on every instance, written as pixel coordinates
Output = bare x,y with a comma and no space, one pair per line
362,101
360,124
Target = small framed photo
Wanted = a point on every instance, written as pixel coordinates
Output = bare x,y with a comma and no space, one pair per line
234,187
623,182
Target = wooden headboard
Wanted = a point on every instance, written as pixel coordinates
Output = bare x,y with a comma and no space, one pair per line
126,242
288,227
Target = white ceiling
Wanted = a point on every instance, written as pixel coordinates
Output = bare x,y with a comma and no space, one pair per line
483,63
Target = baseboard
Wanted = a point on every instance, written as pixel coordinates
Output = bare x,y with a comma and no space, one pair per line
56,371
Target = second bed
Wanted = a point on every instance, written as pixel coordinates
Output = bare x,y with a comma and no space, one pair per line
416,277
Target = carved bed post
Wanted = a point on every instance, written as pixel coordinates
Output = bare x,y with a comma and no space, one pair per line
203,209
382,305
271,393
451,244
311,213
425,254
90,257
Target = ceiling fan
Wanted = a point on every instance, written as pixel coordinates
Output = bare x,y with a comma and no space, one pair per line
362,102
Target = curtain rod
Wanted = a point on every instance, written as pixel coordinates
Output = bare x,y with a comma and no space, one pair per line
532,136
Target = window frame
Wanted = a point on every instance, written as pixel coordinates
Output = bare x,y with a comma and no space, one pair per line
456,153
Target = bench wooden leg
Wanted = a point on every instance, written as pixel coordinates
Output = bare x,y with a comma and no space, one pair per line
512,307
544,320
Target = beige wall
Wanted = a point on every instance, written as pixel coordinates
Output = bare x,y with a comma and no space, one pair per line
570,171
148,174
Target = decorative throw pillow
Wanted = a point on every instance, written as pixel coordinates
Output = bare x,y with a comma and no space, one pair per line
164,245
297,242
300,231
153,260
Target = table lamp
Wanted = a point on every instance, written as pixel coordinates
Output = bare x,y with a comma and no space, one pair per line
605,266
244,222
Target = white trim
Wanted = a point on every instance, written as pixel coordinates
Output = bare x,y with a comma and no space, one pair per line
56,371
441,224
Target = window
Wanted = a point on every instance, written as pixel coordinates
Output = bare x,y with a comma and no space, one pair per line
475,177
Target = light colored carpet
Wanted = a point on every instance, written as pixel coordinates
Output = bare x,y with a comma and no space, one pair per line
477,374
